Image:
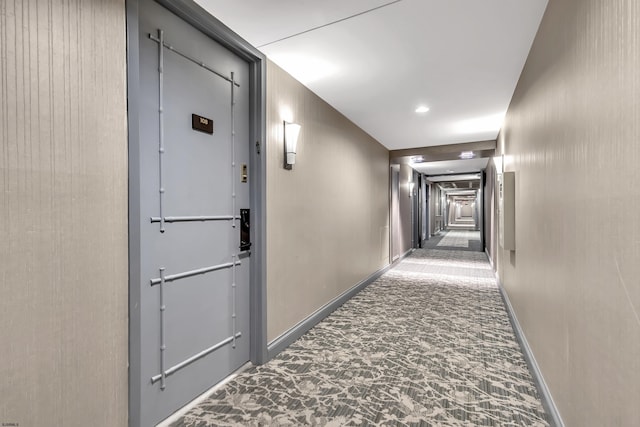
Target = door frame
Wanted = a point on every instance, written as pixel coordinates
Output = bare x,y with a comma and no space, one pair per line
200,19
394,214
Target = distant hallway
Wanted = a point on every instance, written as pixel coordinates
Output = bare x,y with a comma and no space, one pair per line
429,343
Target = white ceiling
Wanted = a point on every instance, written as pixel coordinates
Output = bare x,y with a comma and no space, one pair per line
448,167
461,58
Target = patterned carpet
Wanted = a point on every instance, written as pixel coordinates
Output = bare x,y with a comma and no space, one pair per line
459,240
427,344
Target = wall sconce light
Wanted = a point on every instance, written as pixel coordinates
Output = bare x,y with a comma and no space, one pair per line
291,132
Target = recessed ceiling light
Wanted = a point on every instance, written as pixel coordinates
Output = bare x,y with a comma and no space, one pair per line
467,155
422,109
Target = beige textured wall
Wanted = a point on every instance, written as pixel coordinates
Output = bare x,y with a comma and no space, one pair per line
328,218
572,136
63,213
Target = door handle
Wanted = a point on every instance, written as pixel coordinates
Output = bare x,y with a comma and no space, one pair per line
245,230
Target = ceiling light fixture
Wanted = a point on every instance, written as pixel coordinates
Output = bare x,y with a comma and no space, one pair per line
422,109
467,155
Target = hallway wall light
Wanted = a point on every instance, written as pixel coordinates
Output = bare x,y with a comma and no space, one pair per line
291,133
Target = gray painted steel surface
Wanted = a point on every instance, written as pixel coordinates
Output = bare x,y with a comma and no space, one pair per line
188,173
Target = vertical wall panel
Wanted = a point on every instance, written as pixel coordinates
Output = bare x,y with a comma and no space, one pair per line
328,218
490,198
572,137
405,202
63,213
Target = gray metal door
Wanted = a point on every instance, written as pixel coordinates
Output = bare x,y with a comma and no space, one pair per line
194,275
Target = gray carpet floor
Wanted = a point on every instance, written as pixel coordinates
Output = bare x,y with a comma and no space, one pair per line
427,344
455,239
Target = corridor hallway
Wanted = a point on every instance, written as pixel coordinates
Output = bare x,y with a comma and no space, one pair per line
428,343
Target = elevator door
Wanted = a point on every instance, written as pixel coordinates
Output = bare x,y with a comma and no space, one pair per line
194,275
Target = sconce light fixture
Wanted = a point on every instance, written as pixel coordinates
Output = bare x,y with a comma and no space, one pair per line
291,132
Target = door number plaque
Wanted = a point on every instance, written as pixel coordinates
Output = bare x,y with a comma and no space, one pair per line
202,124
